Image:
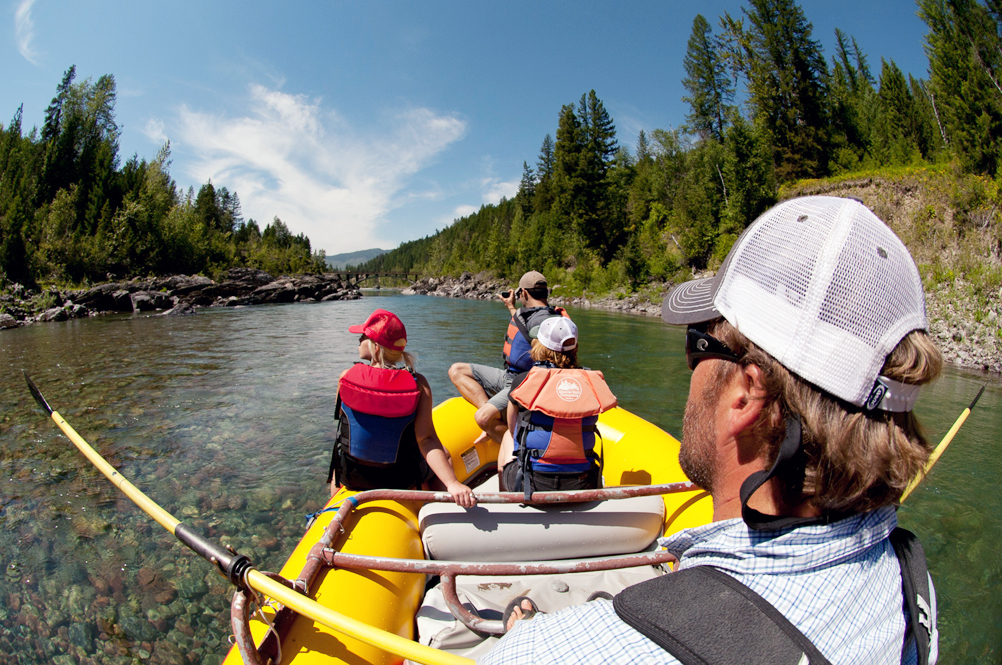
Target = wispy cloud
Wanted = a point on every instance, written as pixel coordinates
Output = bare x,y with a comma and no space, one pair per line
494,189
24,30
291,157
461,211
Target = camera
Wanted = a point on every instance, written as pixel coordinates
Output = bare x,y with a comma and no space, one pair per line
505,294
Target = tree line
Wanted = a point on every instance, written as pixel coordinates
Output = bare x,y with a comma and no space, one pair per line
766,107
71,212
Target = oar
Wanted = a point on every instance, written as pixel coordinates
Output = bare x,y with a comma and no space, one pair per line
934,457
239,570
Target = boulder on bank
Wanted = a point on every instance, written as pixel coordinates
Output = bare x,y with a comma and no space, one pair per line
178,295
146,301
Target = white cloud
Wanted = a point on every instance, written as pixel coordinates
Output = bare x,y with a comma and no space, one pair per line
494,189
290,157
24,30
462,211
154,130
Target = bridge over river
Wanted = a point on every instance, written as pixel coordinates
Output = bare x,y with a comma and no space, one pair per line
353,278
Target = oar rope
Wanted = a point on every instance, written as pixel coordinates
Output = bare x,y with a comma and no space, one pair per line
938,451
238,568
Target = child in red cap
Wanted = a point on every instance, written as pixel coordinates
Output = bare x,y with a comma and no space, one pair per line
385,436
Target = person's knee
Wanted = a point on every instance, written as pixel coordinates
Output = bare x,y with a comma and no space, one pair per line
459,370
487,416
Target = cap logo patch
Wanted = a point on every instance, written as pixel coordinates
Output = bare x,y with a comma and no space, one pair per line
876,396
569,390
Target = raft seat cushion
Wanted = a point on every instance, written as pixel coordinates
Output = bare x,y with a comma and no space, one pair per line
514,532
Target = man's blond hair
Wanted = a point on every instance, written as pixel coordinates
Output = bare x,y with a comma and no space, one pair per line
853,460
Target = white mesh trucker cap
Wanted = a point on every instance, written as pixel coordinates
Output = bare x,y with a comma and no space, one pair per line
824,287
558,333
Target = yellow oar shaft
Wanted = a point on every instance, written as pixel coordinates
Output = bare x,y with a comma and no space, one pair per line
308,607
150,507
938,451
400,646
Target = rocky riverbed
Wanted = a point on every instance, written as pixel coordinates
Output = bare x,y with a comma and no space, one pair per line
169,296
968,335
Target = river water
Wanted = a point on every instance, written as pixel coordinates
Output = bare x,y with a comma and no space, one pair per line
224,418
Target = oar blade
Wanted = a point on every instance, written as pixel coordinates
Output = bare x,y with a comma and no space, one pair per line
37,394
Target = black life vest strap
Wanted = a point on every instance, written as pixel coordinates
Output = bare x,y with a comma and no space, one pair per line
915,586
703,616
525,456
335,451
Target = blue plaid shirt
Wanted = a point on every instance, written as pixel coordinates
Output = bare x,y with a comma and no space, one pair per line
840,584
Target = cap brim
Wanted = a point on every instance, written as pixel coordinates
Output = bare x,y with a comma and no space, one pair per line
691,302
358,330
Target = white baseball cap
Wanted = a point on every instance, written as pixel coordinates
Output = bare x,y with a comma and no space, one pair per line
824,287
558,333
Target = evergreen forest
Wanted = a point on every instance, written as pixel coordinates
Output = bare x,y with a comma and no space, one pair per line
72,213
767,110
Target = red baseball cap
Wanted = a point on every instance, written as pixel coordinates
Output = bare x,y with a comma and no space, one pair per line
384,328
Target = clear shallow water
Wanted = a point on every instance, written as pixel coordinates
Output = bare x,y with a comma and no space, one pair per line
224,419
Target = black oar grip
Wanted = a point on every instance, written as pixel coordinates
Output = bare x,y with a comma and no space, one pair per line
231,565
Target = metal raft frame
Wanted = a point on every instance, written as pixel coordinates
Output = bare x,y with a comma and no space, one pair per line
322,554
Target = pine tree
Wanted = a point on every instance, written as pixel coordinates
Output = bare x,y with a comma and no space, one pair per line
568,170
543,198
526,188
896,140
710,90
853,105
54,112
643,148
965,61
787,84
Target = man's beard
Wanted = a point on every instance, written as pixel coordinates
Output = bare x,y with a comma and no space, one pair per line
697,456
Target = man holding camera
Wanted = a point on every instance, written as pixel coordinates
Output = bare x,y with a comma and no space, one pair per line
487,387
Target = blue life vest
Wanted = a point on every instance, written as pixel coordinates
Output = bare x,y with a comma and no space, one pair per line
517,339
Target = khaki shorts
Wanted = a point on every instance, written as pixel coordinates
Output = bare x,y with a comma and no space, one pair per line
496,383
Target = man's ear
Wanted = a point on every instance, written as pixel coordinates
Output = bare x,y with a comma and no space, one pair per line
744,396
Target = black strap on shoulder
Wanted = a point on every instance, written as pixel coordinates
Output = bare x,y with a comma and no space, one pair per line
520,324
915,587
335,467
703,616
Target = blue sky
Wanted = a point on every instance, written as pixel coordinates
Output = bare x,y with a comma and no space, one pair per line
366,124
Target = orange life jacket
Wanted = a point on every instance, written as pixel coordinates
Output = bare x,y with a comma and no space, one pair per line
556,432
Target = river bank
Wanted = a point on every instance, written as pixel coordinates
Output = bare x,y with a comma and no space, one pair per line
177,295
968,335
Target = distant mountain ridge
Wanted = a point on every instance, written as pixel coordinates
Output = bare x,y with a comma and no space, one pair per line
338,261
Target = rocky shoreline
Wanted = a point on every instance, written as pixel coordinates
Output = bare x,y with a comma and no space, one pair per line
969,336
177,295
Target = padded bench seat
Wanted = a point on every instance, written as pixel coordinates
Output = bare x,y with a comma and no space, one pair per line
516,532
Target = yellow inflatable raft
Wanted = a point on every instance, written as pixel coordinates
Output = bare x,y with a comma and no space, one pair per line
377,605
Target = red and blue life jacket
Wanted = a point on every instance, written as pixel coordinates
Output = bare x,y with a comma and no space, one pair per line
518,340
378,406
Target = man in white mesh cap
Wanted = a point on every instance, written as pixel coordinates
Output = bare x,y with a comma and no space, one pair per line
807,350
